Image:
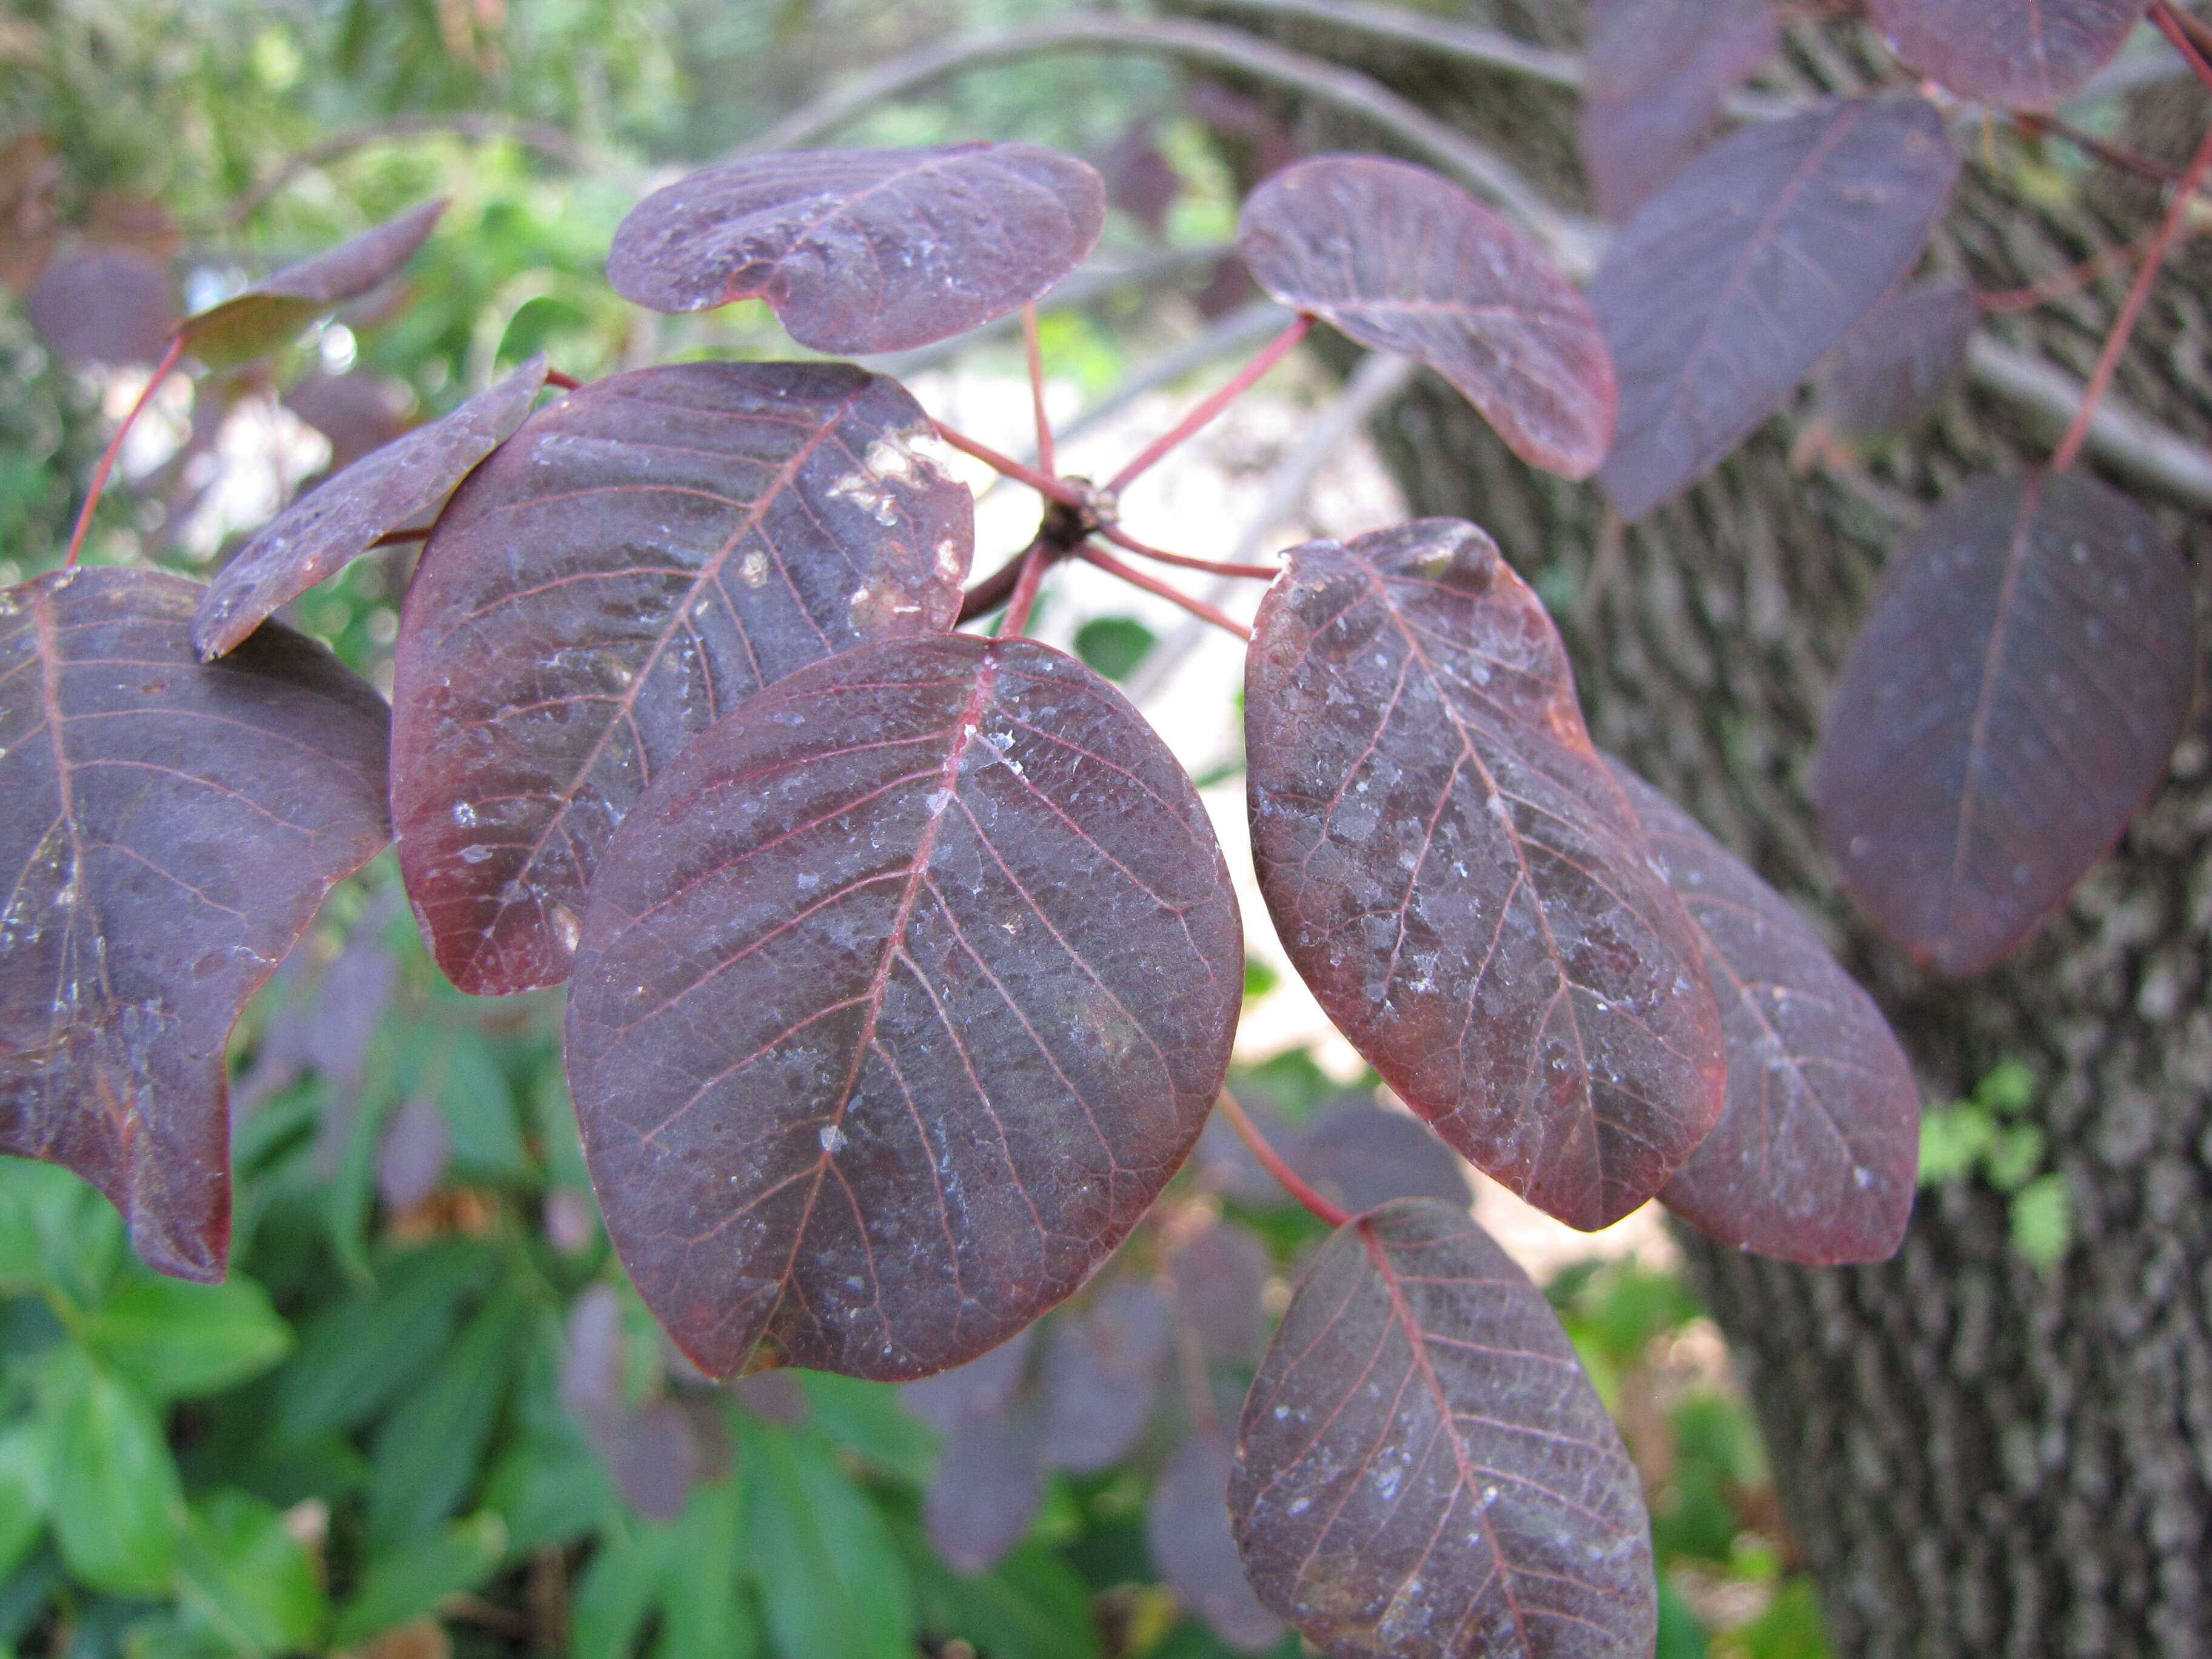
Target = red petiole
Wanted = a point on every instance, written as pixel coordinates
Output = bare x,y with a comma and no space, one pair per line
115,448
1272,1162
1092,553
1035,352
1275,351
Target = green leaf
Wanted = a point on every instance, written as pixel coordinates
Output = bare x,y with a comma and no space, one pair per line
1952,1141
428,1450
705,1613
175,1341
116,1503
1115,645
2043,1221
1259,979
1791,1626
246,1579
831,1580
868,1418
1680,1635
361,1351
57,1230
2009,1088
167,1635
550,1489
24,1500
1031,1605
616,1593
411,1580
2015,1154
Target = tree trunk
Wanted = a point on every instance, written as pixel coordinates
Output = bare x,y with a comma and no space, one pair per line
1979,1458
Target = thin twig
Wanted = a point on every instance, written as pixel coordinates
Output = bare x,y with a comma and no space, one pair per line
2112,155
1021,472
546,140
1475,164
1272,1162
2118,435
566,382
1092,553
2065,283
1035,350
115,448
1277,349
401,538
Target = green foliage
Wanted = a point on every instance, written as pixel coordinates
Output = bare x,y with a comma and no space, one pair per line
1114,644
1983,1135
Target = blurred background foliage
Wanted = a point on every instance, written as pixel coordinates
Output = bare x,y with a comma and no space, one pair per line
425,1415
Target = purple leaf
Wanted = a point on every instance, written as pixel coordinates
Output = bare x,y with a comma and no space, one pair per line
656,1455
1732,281
171,831
2008,703
640,558
418,1143
1456,875
1219,1275
103,305
902,994
1423,1468
1224,1165
1402,260
1655,73
349,1000
864,250
1195,1550
268,314
1139,181
988,1486
1101,1373
1814,1156
975,1389
591,1356
1361,1156
2018,54
1905,354
334,524
775,1396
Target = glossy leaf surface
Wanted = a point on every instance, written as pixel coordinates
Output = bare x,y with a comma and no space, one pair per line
1360,1156
1101,1373
2018,54
1655,72
902,994
1402,260
334,524
1731,281
641,557
2009,702
1195,1549
1423,1468
274,309
168,831
1905,354
1456,875
864,250
1814,1157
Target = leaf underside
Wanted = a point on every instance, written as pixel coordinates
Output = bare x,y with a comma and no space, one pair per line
166,833
1458,878
1903,355
902,994
1402,260
632,564
1814,1157
863,251
2008,705
1655,73
1731,281
1423,1468
1194,1548
334,524
2032,54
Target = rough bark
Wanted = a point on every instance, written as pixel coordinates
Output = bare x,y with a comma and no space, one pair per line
1979,1459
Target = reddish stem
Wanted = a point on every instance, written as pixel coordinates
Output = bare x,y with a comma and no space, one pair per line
1272,1162
2067,282
1050,488
1120,537
2089,143
1036,351
1276,351
2070,447
566,382
1025,590
401,538
2195,27
1092,553
115,448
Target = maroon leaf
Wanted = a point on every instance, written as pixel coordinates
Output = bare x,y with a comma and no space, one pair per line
1815,1153
592,1355
169,832
656,1454
1195,1550
1220,1274
103,305
1905,355
333,525
1423,1468
1655,73
637,560
358,411
987,1487
864,250
418,1143
975,1389
2010,701
268,313
1361,1156
1224,1165
350,1002
775,1395
902,994
2021,54
1732,281
1404,261
1101,1374
1139,181
1458,878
